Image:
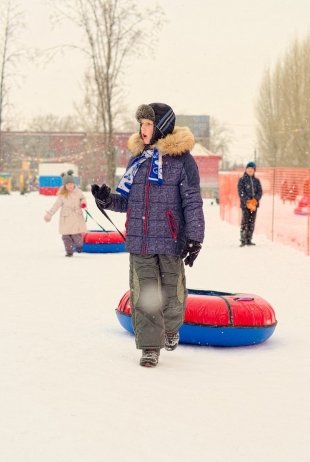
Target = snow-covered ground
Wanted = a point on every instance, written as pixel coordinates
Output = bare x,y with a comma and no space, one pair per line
71,388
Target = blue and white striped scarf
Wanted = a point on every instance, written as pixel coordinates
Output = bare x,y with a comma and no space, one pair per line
156,173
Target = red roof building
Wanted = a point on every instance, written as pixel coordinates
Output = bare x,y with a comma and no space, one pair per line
208,165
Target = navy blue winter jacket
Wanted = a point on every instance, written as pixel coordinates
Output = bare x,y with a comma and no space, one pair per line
161,217
249,187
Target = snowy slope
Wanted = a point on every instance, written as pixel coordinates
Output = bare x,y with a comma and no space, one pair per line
71,388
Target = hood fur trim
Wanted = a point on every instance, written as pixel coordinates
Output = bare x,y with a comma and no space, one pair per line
179,141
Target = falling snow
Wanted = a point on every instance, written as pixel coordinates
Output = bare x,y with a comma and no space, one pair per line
71,388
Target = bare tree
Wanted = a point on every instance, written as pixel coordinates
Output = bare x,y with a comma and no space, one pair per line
220,139
11,23
89,111
268,129
53,123
113,31
283,109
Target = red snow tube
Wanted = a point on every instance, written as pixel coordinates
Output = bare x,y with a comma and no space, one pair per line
303,207
103,242
218,318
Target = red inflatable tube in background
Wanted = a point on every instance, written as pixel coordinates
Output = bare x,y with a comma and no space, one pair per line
103,237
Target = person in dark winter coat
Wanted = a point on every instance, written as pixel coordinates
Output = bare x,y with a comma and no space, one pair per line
165,224
250,193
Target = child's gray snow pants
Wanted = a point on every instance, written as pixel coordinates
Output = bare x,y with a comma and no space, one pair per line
158,296
73,242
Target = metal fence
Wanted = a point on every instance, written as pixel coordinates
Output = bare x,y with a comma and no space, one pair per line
284,212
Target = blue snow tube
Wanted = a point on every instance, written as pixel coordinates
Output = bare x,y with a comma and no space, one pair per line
217,318
103,242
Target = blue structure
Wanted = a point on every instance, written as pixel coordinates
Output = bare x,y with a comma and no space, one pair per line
103,248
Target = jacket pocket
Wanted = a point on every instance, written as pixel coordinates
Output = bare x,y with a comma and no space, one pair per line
127,219
172,223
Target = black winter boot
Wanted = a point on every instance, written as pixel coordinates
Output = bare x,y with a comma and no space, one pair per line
149,357
171,340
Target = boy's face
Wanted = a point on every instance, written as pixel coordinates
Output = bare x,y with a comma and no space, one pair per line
146,129
250,171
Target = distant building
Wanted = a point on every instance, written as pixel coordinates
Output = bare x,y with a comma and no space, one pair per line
208,165
199,125
86,150
22,152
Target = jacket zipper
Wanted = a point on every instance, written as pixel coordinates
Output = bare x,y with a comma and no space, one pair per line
146,210
252,186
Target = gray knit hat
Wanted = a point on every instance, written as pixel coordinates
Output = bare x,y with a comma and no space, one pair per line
161,114
67,177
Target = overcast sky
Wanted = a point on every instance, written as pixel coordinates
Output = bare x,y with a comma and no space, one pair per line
209,59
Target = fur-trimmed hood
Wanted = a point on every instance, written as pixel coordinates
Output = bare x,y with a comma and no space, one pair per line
179,141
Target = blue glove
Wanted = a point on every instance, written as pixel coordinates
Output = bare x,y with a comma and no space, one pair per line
190,252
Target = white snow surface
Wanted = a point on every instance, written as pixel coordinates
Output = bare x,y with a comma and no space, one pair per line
71,388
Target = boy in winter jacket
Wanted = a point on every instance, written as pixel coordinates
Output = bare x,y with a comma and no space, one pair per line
165,223
71,201
250,193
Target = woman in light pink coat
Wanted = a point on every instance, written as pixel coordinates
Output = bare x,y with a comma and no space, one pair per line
72,225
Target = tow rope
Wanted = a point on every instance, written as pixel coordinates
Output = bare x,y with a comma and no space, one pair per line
107,216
